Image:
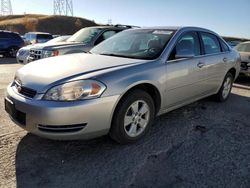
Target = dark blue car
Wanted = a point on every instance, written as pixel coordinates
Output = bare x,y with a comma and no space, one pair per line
10,42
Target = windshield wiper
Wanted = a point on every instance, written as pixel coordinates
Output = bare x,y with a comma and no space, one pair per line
115,55
87,52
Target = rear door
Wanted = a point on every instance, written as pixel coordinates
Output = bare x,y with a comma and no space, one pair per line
185,77
4,41
216,56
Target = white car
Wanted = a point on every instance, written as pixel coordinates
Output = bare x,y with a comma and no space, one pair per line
244,50
23,53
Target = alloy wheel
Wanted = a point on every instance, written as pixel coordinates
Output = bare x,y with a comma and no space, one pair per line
226,87
136,118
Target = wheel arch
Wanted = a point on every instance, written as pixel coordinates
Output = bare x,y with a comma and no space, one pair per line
233,72
148,87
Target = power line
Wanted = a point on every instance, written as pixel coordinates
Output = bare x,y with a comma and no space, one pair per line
63,7
6,8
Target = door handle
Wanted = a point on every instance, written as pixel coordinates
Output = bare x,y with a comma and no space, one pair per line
200,64
225,59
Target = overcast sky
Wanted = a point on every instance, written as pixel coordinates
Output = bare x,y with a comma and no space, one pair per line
226,17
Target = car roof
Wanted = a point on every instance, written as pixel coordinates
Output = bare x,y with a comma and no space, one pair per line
118,27
5,31
178,28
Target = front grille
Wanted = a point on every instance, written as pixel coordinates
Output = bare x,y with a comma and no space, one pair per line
18,116
27,92
61,128
36,54
244,65
24,90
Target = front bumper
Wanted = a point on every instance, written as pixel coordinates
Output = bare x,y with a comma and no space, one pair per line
245,68
63,120
22,59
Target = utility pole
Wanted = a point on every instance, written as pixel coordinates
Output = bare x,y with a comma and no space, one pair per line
6,8
63,7
109,21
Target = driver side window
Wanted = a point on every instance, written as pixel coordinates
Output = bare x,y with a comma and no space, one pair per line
188,44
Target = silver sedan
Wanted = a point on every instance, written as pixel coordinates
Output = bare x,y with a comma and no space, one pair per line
122,84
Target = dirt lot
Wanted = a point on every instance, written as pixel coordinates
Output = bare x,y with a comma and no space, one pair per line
205,144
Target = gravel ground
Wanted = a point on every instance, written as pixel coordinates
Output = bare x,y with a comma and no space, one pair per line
205,144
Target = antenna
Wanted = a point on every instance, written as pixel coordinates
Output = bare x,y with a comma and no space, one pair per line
6,8
63,7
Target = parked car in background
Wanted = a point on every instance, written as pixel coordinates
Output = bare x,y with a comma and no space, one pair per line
81,41
232,44
37,37
122,84
55,36
57,39
10,42
244,49
23,53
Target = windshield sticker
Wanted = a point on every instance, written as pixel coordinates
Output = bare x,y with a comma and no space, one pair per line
163,32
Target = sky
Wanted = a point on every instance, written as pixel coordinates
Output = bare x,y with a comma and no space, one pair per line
226,17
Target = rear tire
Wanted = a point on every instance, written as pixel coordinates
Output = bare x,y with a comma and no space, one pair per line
133,117
225,89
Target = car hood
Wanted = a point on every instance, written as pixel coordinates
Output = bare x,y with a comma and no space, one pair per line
245,56
43,74
57,44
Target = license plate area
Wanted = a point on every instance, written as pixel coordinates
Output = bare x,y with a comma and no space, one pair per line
17,115
9,107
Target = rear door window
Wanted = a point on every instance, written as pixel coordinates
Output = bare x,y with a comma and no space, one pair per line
211,43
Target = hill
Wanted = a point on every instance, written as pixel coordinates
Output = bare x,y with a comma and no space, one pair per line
61,25
228,39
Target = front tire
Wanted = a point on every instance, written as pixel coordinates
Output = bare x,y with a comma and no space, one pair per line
225,89
133,117
12,51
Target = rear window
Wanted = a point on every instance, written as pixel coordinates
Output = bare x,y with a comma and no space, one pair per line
211,43
44,36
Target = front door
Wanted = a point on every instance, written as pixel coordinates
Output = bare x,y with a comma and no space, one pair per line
185,75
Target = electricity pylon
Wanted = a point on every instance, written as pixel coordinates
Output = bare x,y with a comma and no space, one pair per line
63,7
6,8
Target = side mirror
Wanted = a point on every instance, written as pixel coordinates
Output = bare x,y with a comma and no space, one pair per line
184,54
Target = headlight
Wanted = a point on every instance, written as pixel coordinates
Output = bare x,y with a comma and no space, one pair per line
76,90
20,52
50,53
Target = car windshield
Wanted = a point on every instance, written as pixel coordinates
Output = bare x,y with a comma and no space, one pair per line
58,39
85,35
44,36
243,47
137,44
